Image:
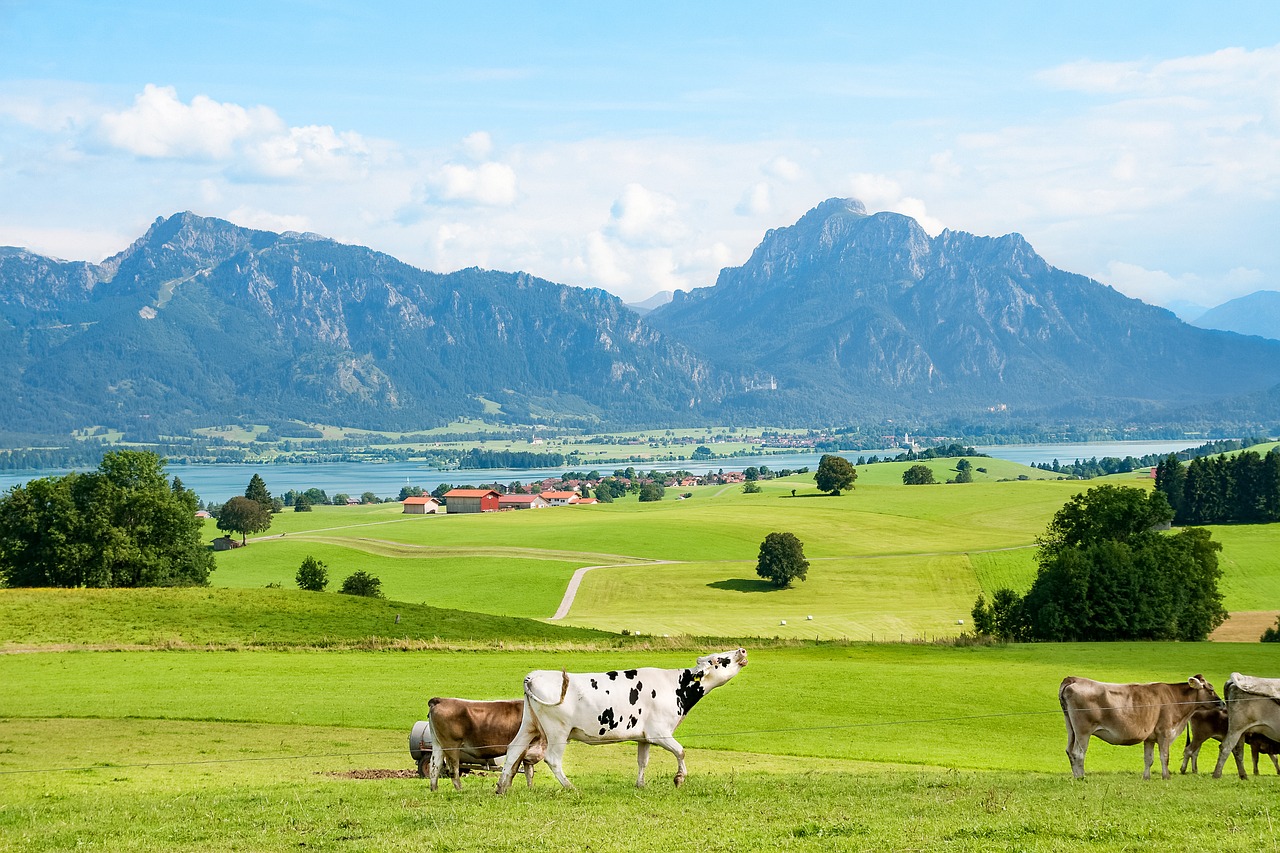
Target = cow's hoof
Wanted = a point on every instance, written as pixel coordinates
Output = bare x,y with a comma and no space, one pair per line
679,780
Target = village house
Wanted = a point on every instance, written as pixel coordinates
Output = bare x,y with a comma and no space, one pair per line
559,498
522,502
421,505
471,500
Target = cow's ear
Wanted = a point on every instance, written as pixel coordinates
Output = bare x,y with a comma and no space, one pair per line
1197,680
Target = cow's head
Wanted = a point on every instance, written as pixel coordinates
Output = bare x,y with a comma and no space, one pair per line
1205,695
718,668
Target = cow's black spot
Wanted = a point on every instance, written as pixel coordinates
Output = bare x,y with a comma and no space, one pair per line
594,686
688,692
653,694
722,661
631,723
613,674
635,694
607,719
631,673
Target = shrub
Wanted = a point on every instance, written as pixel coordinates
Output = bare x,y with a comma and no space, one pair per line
1272,634
751,487
313,575
362,583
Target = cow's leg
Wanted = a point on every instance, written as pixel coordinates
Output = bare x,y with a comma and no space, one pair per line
1276,761
1164,757
437,759
1192,752
673,746
1231,745
515,751
556,745
642,760
528,773
1148,756
454,762
1076,749
1253,749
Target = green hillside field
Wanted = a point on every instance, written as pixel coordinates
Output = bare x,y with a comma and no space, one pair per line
887,560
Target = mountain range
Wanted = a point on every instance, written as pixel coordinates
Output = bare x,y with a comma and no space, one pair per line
1255,314
843,317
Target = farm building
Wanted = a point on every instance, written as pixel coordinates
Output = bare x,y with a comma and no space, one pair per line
522,502
471,500
559,498
421,505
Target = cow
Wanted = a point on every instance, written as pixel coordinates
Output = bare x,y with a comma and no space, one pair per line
643,705
1253,707
465,730
1128,714
1212,725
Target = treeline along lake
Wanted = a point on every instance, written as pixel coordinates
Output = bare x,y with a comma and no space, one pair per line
216,482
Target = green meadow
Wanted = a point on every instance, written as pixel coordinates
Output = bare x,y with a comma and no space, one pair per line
253,716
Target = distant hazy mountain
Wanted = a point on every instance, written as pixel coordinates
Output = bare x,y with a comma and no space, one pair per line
662,297
840,318
201,322
849,313
1255,314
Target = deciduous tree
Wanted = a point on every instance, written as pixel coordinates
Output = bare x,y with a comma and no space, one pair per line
782,560
244,516
835,474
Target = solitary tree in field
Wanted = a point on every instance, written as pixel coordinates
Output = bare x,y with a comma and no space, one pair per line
257,491
782,560
918,475
243,516
835,474
313,575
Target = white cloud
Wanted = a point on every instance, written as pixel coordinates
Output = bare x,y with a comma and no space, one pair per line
309,151
267,221
1160,288
1227,72
783,168
756,201
160,125
477,146
878,192
642,217
488,184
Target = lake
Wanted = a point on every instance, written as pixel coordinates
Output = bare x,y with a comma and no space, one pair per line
218,482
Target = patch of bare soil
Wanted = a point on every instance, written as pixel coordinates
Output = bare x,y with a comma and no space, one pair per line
1245,626
374,774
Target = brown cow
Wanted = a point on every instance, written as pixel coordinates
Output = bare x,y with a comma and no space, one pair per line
464,730
1212,725
1128,714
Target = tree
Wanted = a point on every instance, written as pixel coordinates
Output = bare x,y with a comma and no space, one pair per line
781,560
362,583
369,498
964,471
313,575
438,492
751,487
650,492
918,475
1106,573
301,503
257,491
835,474
1272,634
244,516
123,525
1171,480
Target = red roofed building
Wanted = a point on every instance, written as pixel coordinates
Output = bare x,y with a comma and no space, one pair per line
560,498
471,500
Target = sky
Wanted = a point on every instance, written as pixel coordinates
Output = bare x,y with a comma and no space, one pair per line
644,147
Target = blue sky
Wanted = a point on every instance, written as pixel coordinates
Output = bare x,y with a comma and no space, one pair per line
642,149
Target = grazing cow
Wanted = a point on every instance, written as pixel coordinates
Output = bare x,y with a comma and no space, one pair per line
463,730
1253,707
642,705
1128,714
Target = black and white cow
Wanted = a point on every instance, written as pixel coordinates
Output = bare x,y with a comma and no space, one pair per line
643,705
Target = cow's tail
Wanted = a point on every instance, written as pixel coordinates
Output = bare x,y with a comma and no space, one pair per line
529,695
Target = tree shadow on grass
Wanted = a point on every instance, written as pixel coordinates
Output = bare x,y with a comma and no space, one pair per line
742,585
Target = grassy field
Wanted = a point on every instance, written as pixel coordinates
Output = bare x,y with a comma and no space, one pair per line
887,560
880,747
